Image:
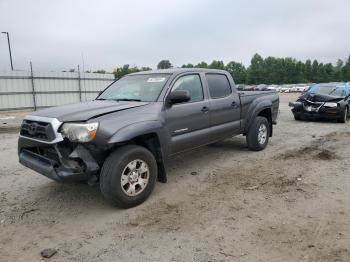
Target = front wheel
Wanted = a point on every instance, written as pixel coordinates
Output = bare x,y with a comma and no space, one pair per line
297,117
344,116
258,134
128,176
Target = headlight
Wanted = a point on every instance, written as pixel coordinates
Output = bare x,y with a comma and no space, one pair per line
79,132
329,104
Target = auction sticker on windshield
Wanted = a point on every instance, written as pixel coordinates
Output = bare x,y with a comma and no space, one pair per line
156,79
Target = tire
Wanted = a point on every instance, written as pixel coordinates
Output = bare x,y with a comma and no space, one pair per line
253,141
344,116
297,117
117,167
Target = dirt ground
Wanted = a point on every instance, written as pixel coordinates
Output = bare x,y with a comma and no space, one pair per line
290,202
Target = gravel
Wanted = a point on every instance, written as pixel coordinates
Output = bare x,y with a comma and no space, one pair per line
290,202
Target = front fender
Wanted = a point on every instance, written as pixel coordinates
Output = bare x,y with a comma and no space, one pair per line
136,129
132,131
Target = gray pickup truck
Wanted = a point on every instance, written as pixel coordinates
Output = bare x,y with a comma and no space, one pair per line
124,138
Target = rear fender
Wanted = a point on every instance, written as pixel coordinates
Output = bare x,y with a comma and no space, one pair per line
255,109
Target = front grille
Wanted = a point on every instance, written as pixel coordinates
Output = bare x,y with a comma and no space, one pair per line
48,153
51,153
313,106
38,130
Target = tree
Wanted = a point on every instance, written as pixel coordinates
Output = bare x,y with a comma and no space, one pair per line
256,73
124,70
216,64
201,65
314,72
329,72
164,64
290,74
101,71
187,66
145,68
269,70
321,74
338,70
346,71
308,71
237,71
273,70
299,67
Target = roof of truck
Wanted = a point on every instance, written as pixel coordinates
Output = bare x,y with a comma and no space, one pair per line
179,70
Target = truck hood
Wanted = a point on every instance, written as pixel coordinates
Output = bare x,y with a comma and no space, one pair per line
86,110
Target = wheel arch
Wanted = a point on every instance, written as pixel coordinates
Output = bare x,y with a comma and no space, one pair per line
267,113
264,110
152,142
148,134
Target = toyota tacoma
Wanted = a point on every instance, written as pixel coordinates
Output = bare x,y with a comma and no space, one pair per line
125,137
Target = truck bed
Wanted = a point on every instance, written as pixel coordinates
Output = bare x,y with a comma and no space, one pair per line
256,93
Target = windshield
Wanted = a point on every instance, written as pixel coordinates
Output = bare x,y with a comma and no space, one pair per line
144,88
327,90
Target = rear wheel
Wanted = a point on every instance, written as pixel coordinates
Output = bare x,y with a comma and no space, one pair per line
258,134
344,116
128,176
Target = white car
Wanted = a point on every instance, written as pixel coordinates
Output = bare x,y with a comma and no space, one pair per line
301,88
285,89
272,87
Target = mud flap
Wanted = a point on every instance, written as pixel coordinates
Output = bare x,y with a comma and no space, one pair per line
162,177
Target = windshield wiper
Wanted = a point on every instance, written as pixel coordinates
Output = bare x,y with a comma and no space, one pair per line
128,99
334,89
121,99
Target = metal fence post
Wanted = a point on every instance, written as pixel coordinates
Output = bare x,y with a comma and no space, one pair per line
79,84
33,88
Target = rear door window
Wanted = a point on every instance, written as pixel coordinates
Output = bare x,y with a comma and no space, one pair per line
219,85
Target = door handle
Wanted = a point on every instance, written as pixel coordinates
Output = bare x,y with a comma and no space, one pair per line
234,104
205,109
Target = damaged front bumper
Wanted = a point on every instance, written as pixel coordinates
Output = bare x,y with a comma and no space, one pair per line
57,161
314,110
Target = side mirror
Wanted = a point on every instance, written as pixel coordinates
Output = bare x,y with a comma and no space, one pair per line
179,96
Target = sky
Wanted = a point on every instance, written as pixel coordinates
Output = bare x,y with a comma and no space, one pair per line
104,34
